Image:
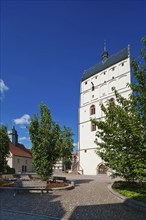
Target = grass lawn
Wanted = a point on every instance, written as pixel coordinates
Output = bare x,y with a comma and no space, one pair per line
132,190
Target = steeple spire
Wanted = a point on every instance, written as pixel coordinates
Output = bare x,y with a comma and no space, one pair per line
104,45
14,136
105,53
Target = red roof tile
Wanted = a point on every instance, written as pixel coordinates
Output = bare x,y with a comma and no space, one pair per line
20,150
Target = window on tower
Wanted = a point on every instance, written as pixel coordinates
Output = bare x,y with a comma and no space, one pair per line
92,86
111,102
93,126
92,110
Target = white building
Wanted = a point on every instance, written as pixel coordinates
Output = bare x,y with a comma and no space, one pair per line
20,157
96,88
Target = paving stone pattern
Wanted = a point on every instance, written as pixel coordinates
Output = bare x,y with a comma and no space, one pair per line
90,200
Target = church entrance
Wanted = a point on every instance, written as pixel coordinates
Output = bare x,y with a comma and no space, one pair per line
101,169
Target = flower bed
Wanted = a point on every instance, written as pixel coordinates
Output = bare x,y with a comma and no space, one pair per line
52,184
6,183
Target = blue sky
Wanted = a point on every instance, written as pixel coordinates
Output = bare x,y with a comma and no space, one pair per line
46,46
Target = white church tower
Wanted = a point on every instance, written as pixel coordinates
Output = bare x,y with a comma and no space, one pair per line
96,88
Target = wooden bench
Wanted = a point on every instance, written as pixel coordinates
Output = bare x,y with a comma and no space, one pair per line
59,179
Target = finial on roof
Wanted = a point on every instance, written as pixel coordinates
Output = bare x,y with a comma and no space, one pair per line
105,53
104,45
128,50
13,123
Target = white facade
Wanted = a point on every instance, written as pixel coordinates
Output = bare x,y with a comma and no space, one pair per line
21,164
96,88
58,166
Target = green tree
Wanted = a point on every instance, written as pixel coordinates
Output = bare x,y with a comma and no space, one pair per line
66,146
139,99
119,136
4,147
139,87
122,135
44,135
49,142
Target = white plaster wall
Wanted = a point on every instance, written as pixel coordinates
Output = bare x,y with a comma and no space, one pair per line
93,159
103,83
10,160
17,163
59,165
87,136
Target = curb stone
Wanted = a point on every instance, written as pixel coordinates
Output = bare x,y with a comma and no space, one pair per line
140,206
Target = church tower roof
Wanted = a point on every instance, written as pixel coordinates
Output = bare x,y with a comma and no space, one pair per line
106,62
14,136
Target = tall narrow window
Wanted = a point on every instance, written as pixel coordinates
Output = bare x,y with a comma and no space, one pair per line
25,168
92,110
93,126
22,168
92,86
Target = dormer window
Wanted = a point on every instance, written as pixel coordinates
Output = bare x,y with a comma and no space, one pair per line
86,83
122,64
113,68
92,110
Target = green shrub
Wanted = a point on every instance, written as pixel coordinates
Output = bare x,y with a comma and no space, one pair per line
9,170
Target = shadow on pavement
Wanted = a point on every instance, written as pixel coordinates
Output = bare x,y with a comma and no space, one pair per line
30,203
106,212
81,181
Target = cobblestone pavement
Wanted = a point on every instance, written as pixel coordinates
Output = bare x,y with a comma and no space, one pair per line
90,200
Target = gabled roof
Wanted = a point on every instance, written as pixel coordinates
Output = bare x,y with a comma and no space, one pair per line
121,55
20,150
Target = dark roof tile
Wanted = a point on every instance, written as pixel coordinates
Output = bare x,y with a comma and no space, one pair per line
121,55
20,150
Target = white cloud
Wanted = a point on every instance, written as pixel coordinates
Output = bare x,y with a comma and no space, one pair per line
25,119
9,134
24,140
3,88
23,127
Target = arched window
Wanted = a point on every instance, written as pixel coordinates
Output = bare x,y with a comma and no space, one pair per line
92,110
